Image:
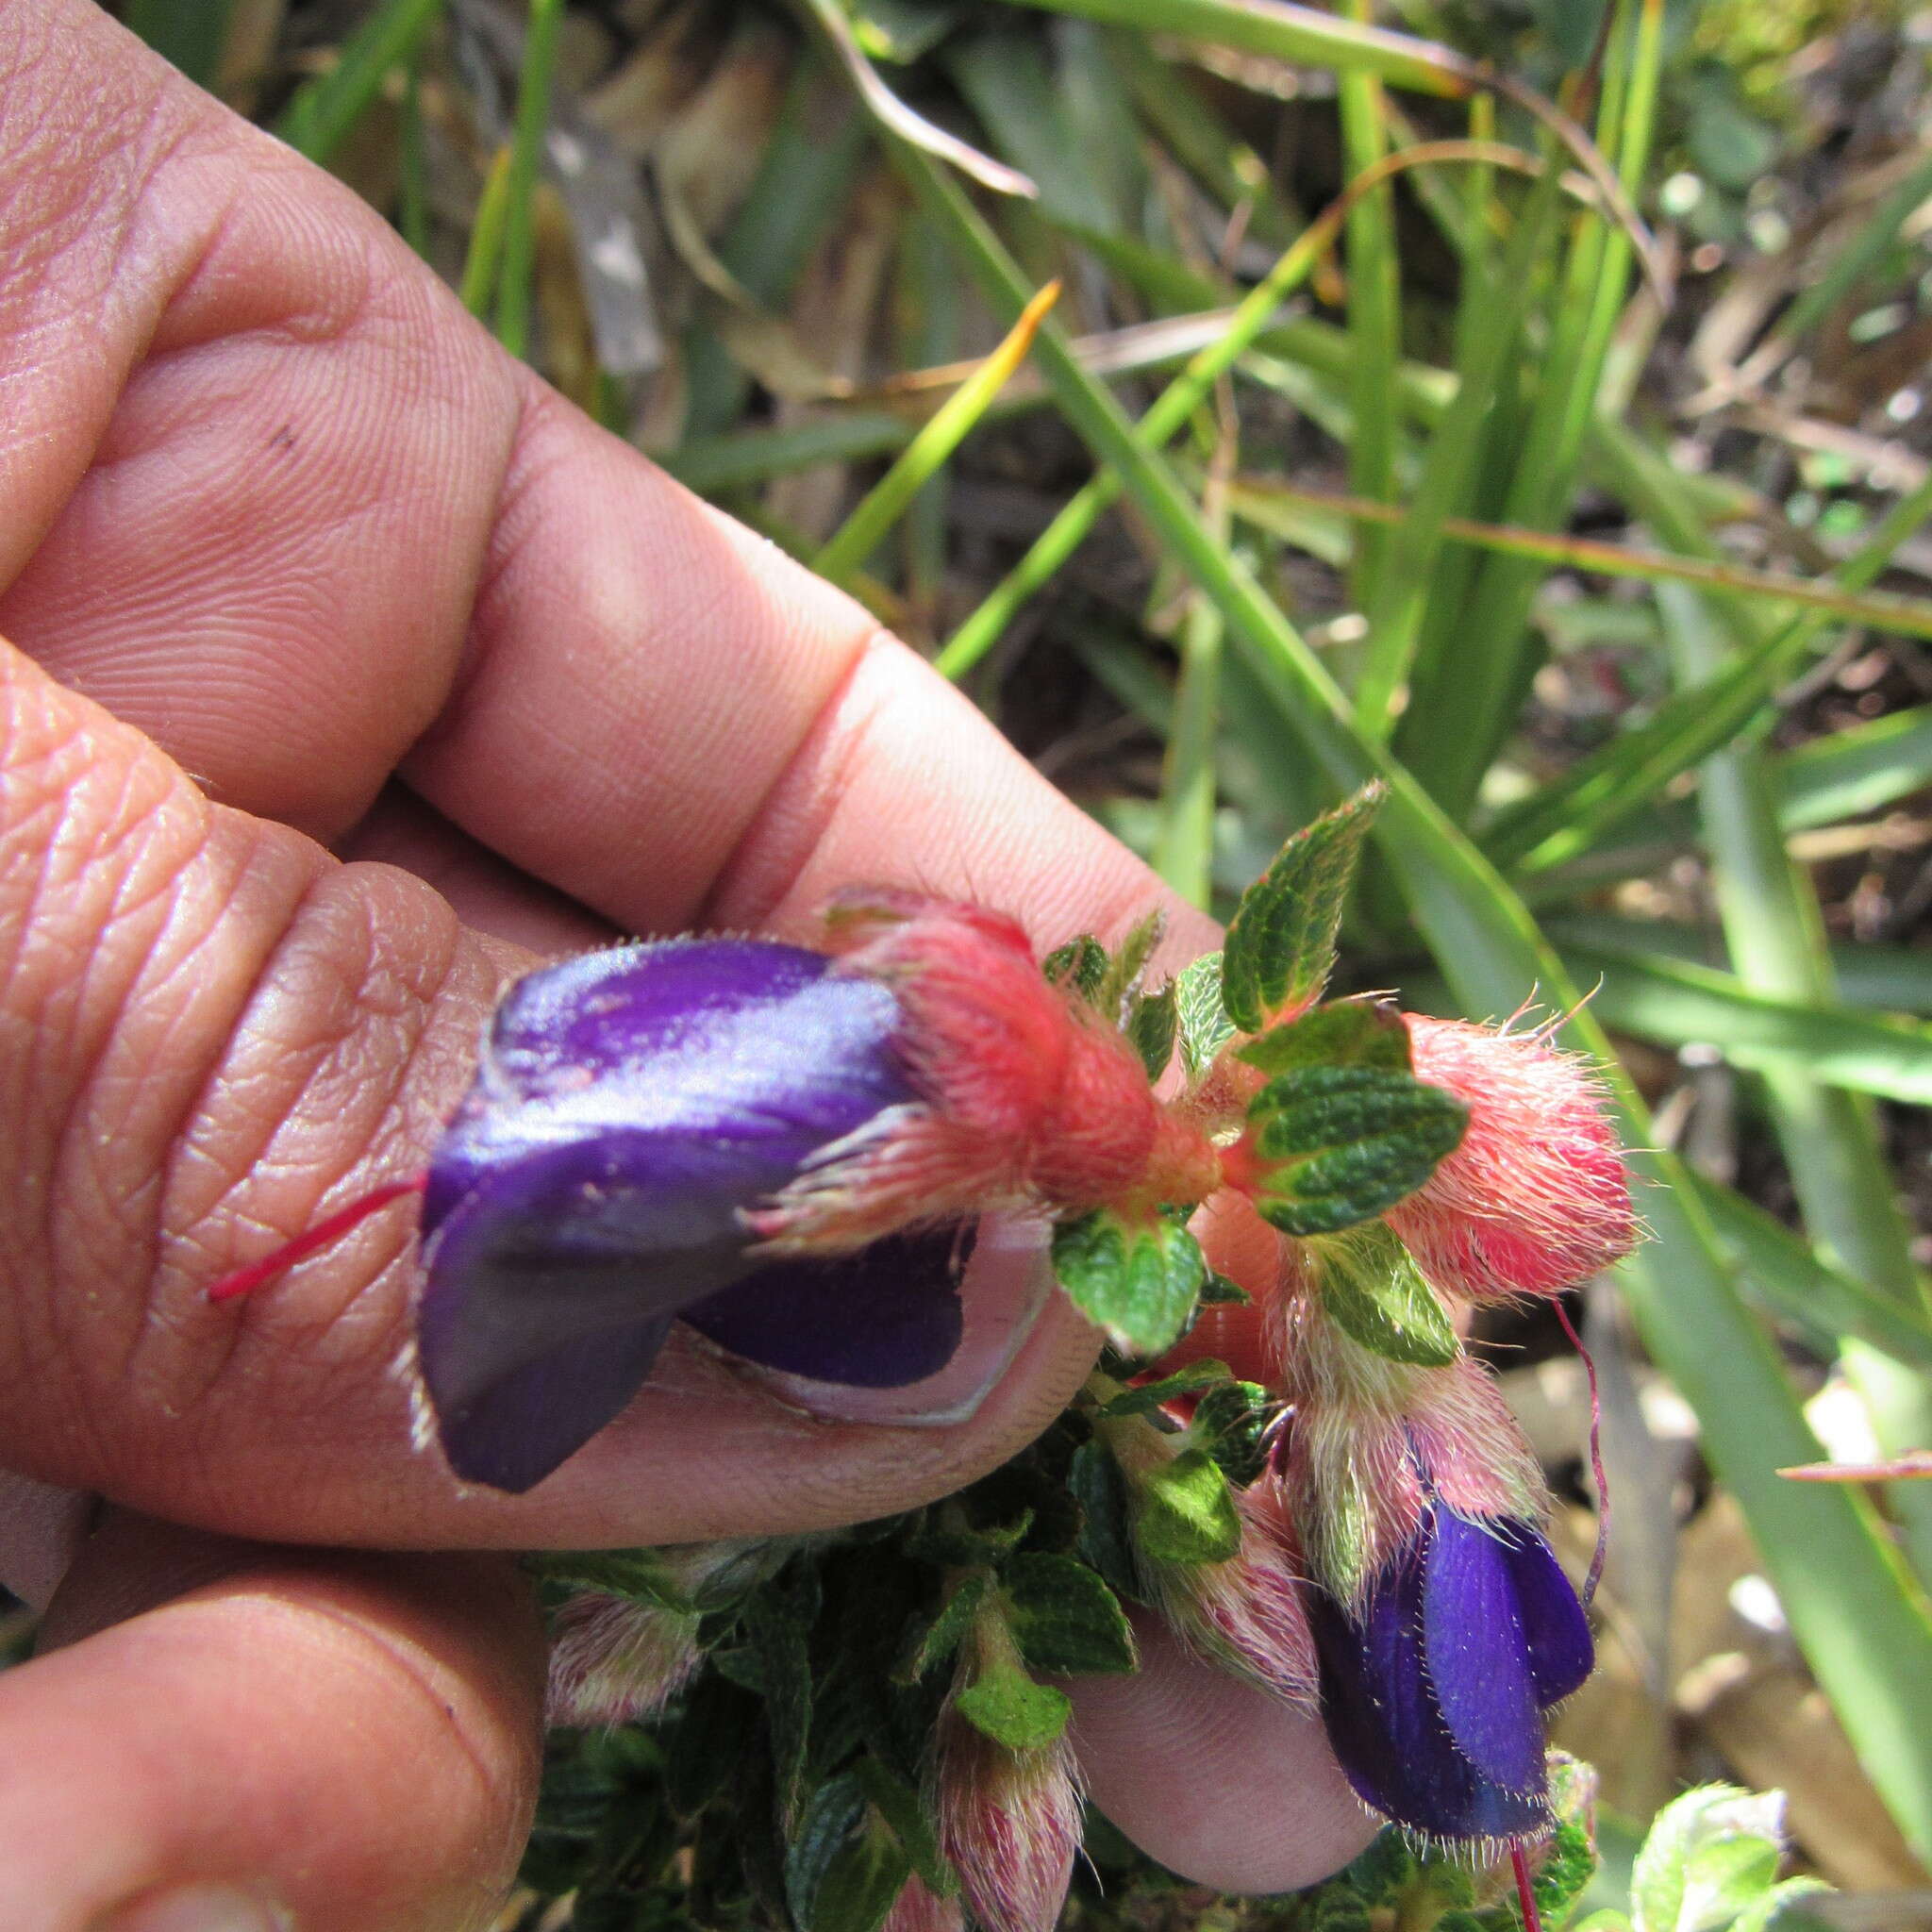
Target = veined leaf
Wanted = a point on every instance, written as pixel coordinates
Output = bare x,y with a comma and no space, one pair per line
1280,946
1137,1281
1372,1289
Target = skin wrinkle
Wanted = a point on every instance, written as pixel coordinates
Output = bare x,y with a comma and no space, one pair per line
368,993
763,870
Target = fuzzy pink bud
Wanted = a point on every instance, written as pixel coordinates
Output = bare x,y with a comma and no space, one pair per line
1536,1197
1247,1616
1374,1442
615,1660
919,1909
1008,1823
1027,1097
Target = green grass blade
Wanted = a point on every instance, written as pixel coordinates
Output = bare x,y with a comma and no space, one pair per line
1374,316
1677,1003
1874,978
1291,33
190,33
1908,616
803,182
525,161
1775,934
1877,234
1396,615
865,530
1565,818
323,110
1824,1302
1863,1621
1008,85
484,256
412,196
983,628
1855,772
1480,654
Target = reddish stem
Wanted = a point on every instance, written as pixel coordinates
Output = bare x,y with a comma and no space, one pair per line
244,1280
1525,1894
1596,1456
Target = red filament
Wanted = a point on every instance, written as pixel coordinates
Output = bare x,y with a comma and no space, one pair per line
245,1280
1525,1896
1596,1456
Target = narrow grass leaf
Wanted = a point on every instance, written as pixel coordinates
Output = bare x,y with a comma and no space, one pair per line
323,110
883,504
484,257
512,315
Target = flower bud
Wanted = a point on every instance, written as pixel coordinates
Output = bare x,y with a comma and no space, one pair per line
919,1909
614,1659
1248,1615
1026,1096
1008,1823
1536,1197
1372,1441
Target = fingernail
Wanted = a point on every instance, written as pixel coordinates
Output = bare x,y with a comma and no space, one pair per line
197,1909
1008,1284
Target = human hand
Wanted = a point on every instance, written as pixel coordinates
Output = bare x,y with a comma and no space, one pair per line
279,516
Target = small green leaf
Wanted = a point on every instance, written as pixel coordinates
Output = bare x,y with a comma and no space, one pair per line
1079,965
1145,1395
779,1642
1698,1846
1095,1482
1380,1872
1128,965
1349,1033
933,1642
1183,1511
1780,1911
1137,1281
1065,1618
1013,1710
1280,946
844,1866
1217,1287
1153,1020
899,1804
1231,1421
1374,1289
1342,1143
1205,1028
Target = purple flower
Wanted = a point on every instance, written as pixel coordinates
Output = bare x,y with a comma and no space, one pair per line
631,1108
1434,1693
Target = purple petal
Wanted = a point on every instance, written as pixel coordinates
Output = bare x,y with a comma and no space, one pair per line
1478,1654
758,1045
876,1319
520,1428
1384,1725
1555,1626
629,1106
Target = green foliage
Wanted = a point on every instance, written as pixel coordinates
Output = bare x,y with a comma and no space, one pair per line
1136,1280
1183,1511
1374,1289
1280,947
1339,1145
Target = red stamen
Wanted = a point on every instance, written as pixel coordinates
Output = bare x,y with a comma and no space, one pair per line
1525,1896
1596,1456
244,1280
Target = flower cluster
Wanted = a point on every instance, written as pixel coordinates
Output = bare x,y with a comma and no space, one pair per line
792,1152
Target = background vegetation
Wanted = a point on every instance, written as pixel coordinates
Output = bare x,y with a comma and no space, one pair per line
1524,401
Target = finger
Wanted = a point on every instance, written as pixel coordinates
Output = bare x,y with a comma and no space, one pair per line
1217,1780
210,1026
331,521
350,1741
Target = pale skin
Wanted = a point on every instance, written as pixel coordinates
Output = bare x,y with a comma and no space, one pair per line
276,514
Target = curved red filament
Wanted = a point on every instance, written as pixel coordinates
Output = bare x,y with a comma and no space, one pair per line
244,1280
